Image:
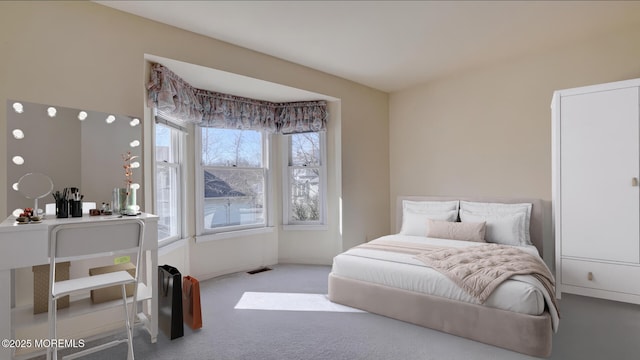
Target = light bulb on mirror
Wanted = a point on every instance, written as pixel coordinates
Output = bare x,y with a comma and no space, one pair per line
18,160
17,134
18,108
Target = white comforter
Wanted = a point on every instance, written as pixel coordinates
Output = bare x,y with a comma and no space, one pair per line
522,293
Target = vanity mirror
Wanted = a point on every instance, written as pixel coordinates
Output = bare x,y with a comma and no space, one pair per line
73,147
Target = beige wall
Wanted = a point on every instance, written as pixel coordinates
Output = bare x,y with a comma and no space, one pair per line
488,131
84,55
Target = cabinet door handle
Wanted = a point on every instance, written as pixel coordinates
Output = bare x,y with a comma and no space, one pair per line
634,181
590,276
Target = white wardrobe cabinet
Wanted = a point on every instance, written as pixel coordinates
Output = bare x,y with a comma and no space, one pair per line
596,197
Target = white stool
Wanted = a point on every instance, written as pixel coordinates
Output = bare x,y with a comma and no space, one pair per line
74,242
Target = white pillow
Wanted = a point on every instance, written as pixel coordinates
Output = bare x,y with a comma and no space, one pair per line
506,229
415,223
430,206
497,209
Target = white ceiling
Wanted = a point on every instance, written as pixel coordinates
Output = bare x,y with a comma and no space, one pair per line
392,45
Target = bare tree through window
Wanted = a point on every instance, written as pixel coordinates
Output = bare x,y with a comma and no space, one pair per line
234,177
304,176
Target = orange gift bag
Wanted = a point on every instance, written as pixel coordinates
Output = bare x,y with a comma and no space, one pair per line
191,302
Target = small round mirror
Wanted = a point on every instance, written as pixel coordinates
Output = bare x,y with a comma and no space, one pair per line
35,186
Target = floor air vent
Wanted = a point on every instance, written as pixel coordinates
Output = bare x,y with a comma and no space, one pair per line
256,271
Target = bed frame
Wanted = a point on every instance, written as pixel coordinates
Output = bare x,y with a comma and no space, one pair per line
527,334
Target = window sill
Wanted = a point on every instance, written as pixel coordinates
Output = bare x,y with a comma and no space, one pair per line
302,227
168,246
233,234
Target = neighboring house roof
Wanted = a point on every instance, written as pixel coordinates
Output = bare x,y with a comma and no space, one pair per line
216,187
313,179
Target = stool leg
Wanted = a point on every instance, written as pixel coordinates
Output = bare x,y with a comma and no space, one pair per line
127,323
50,323
52,352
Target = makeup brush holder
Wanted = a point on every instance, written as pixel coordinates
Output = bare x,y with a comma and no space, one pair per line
76,208
62,208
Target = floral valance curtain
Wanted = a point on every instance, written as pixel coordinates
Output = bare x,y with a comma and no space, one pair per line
174,97
300,117
233,112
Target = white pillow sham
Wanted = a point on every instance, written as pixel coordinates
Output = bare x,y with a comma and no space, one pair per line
506,229
430,206
415,223
501,209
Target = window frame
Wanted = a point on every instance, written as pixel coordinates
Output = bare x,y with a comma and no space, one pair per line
178,143
223,232
287,221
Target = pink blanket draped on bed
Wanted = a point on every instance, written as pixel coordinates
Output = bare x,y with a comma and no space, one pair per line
480,269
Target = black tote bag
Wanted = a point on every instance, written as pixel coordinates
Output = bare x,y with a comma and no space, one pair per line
170,301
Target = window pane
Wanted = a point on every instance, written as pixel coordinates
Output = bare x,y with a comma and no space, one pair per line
167,201
233,197
163,143
305,149
305,200
230,147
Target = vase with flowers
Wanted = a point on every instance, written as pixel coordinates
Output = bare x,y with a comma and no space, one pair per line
130,204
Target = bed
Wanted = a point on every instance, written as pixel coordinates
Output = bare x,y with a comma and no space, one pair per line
382,278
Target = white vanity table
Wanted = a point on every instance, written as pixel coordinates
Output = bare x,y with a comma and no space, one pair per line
24,245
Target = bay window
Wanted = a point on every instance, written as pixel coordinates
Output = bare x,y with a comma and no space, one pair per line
232,153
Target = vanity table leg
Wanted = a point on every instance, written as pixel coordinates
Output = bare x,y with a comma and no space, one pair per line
154,296
5,312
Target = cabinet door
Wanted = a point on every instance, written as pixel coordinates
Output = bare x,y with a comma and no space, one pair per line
599,158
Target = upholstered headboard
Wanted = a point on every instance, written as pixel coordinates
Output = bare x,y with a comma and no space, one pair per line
537,216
